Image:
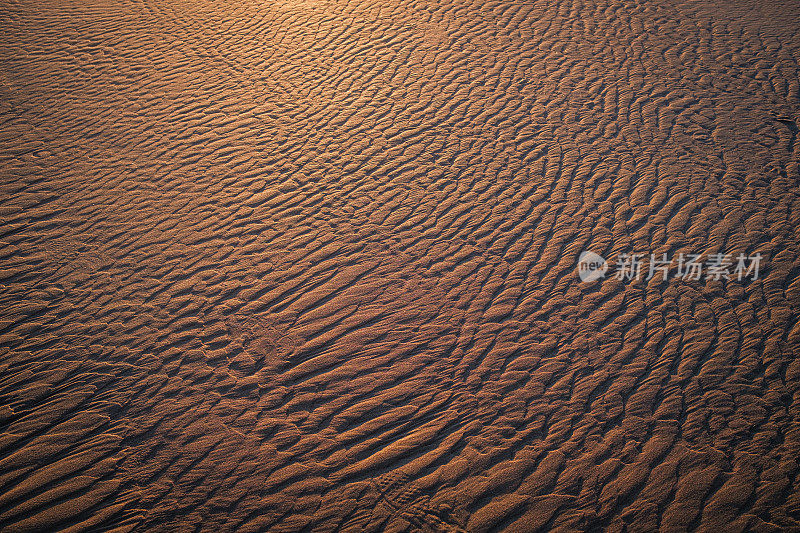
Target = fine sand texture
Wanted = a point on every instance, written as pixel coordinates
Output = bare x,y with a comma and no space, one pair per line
311,265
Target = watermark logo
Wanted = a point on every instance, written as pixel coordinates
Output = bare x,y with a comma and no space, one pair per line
630,266
591,266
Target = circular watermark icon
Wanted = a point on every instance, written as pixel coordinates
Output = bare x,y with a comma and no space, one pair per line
591,266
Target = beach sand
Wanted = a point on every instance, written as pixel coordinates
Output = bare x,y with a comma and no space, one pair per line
313,266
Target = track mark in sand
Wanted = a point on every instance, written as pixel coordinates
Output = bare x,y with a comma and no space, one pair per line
399,496
259,345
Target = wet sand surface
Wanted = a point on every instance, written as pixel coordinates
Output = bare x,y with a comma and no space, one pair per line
311,266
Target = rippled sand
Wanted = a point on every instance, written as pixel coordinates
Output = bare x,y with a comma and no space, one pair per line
311,266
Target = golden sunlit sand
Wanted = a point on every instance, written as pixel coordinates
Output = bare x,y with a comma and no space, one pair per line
313,266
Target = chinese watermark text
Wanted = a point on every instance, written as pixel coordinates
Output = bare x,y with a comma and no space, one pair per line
633,266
